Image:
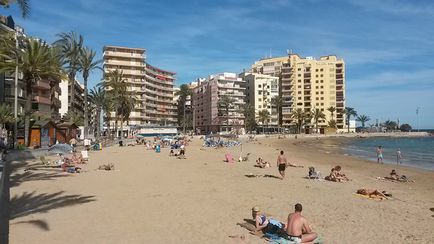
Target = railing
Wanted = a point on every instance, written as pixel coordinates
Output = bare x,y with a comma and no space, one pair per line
4,202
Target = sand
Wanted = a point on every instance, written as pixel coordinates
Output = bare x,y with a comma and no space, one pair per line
154,198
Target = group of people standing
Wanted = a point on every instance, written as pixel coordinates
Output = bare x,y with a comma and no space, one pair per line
380,156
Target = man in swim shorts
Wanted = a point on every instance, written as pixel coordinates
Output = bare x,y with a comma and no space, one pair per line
281,164
380,154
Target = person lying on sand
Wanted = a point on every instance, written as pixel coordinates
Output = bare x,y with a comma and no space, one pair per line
298,229
262,223
261,164
394,176
336,175
373,193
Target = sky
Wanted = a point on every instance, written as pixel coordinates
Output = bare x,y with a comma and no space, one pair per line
388,45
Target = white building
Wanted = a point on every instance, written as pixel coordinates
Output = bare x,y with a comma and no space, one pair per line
259,92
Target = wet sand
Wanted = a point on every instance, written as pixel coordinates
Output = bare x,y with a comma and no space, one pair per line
154,198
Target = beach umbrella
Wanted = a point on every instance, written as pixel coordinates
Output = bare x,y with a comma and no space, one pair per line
60,149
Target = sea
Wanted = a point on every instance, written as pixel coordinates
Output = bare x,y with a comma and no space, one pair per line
416,151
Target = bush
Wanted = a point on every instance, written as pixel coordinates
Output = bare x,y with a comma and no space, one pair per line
405,127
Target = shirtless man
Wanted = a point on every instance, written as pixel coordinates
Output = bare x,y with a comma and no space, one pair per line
298,229
281,164
380,154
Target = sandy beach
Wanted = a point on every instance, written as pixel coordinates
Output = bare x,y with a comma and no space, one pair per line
154,198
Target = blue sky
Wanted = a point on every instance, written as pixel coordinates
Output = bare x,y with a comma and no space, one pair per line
388,45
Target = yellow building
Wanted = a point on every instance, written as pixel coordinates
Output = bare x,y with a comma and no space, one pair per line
309,84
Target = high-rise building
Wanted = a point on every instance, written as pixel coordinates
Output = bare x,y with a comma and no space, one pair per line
209,115
260,89
153,86
75,105
308,84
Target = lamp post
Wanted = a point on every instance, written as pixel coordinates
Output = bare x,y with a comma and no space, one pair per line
16,97
417,118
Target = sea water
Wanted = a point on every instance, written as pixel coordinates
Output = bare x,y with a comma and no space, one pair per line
416,151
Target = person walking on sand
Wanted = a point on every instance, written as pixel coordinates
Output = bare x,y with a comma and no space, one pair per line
380,154
398,156
298,229
281,164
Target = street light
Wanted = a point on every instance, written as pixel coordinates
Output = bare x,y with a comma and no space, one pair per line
16,97
417,116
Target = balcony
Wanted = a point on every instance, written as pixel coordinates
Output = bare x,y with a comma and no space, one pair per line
339,76
339,82
42,85
124,54
42,100
56,102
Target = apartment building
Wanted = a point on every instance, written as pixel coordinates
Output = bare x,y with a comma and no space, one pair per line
153,86
45,93
309,84
260,89
209,115
67,104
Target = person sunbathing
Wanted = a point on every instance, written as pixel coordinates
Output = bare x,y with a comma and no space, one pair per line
336,175
393,175
261,164
262,223
373,193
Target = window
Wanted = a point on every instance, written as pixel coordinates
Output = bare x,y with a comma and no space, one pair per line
299,69
322,75
299,80
299,98
322,98
322,92
259,106
299,86
316,76
299,92
316,87
259,99
316,70
322,70
317,98
322,104
316,93
299,75
322,110
317,104
322,87
259,86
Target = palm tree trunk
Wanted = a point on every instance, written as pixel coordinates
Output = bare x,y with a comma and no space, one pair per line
72,86
122,128
86,122
116,126
227,118
98,127
348,125
27,112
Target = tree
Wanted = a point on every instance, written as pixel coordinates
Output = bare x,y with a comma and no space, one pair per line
277,101
36,60
6,115
22,4
263,116
390,125
316,115
225,103
87,64
121,100
363,119
249,117
405,127
70,45
183,93
300,117
332,111
348,111
98,97
332,123
74,117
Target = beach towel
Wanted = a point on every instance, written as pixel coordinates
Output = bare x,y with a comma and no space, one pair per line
229,158
280,240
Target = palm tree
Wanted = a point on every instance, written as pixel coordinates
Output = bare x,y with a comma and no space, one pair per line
36,60
390,125
183,93
263,116
6,115
98,97
348,111
317,114
22,4
87,64
226,103
249,117
71,47
363,119
332,111
300,117
73,117
277,101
